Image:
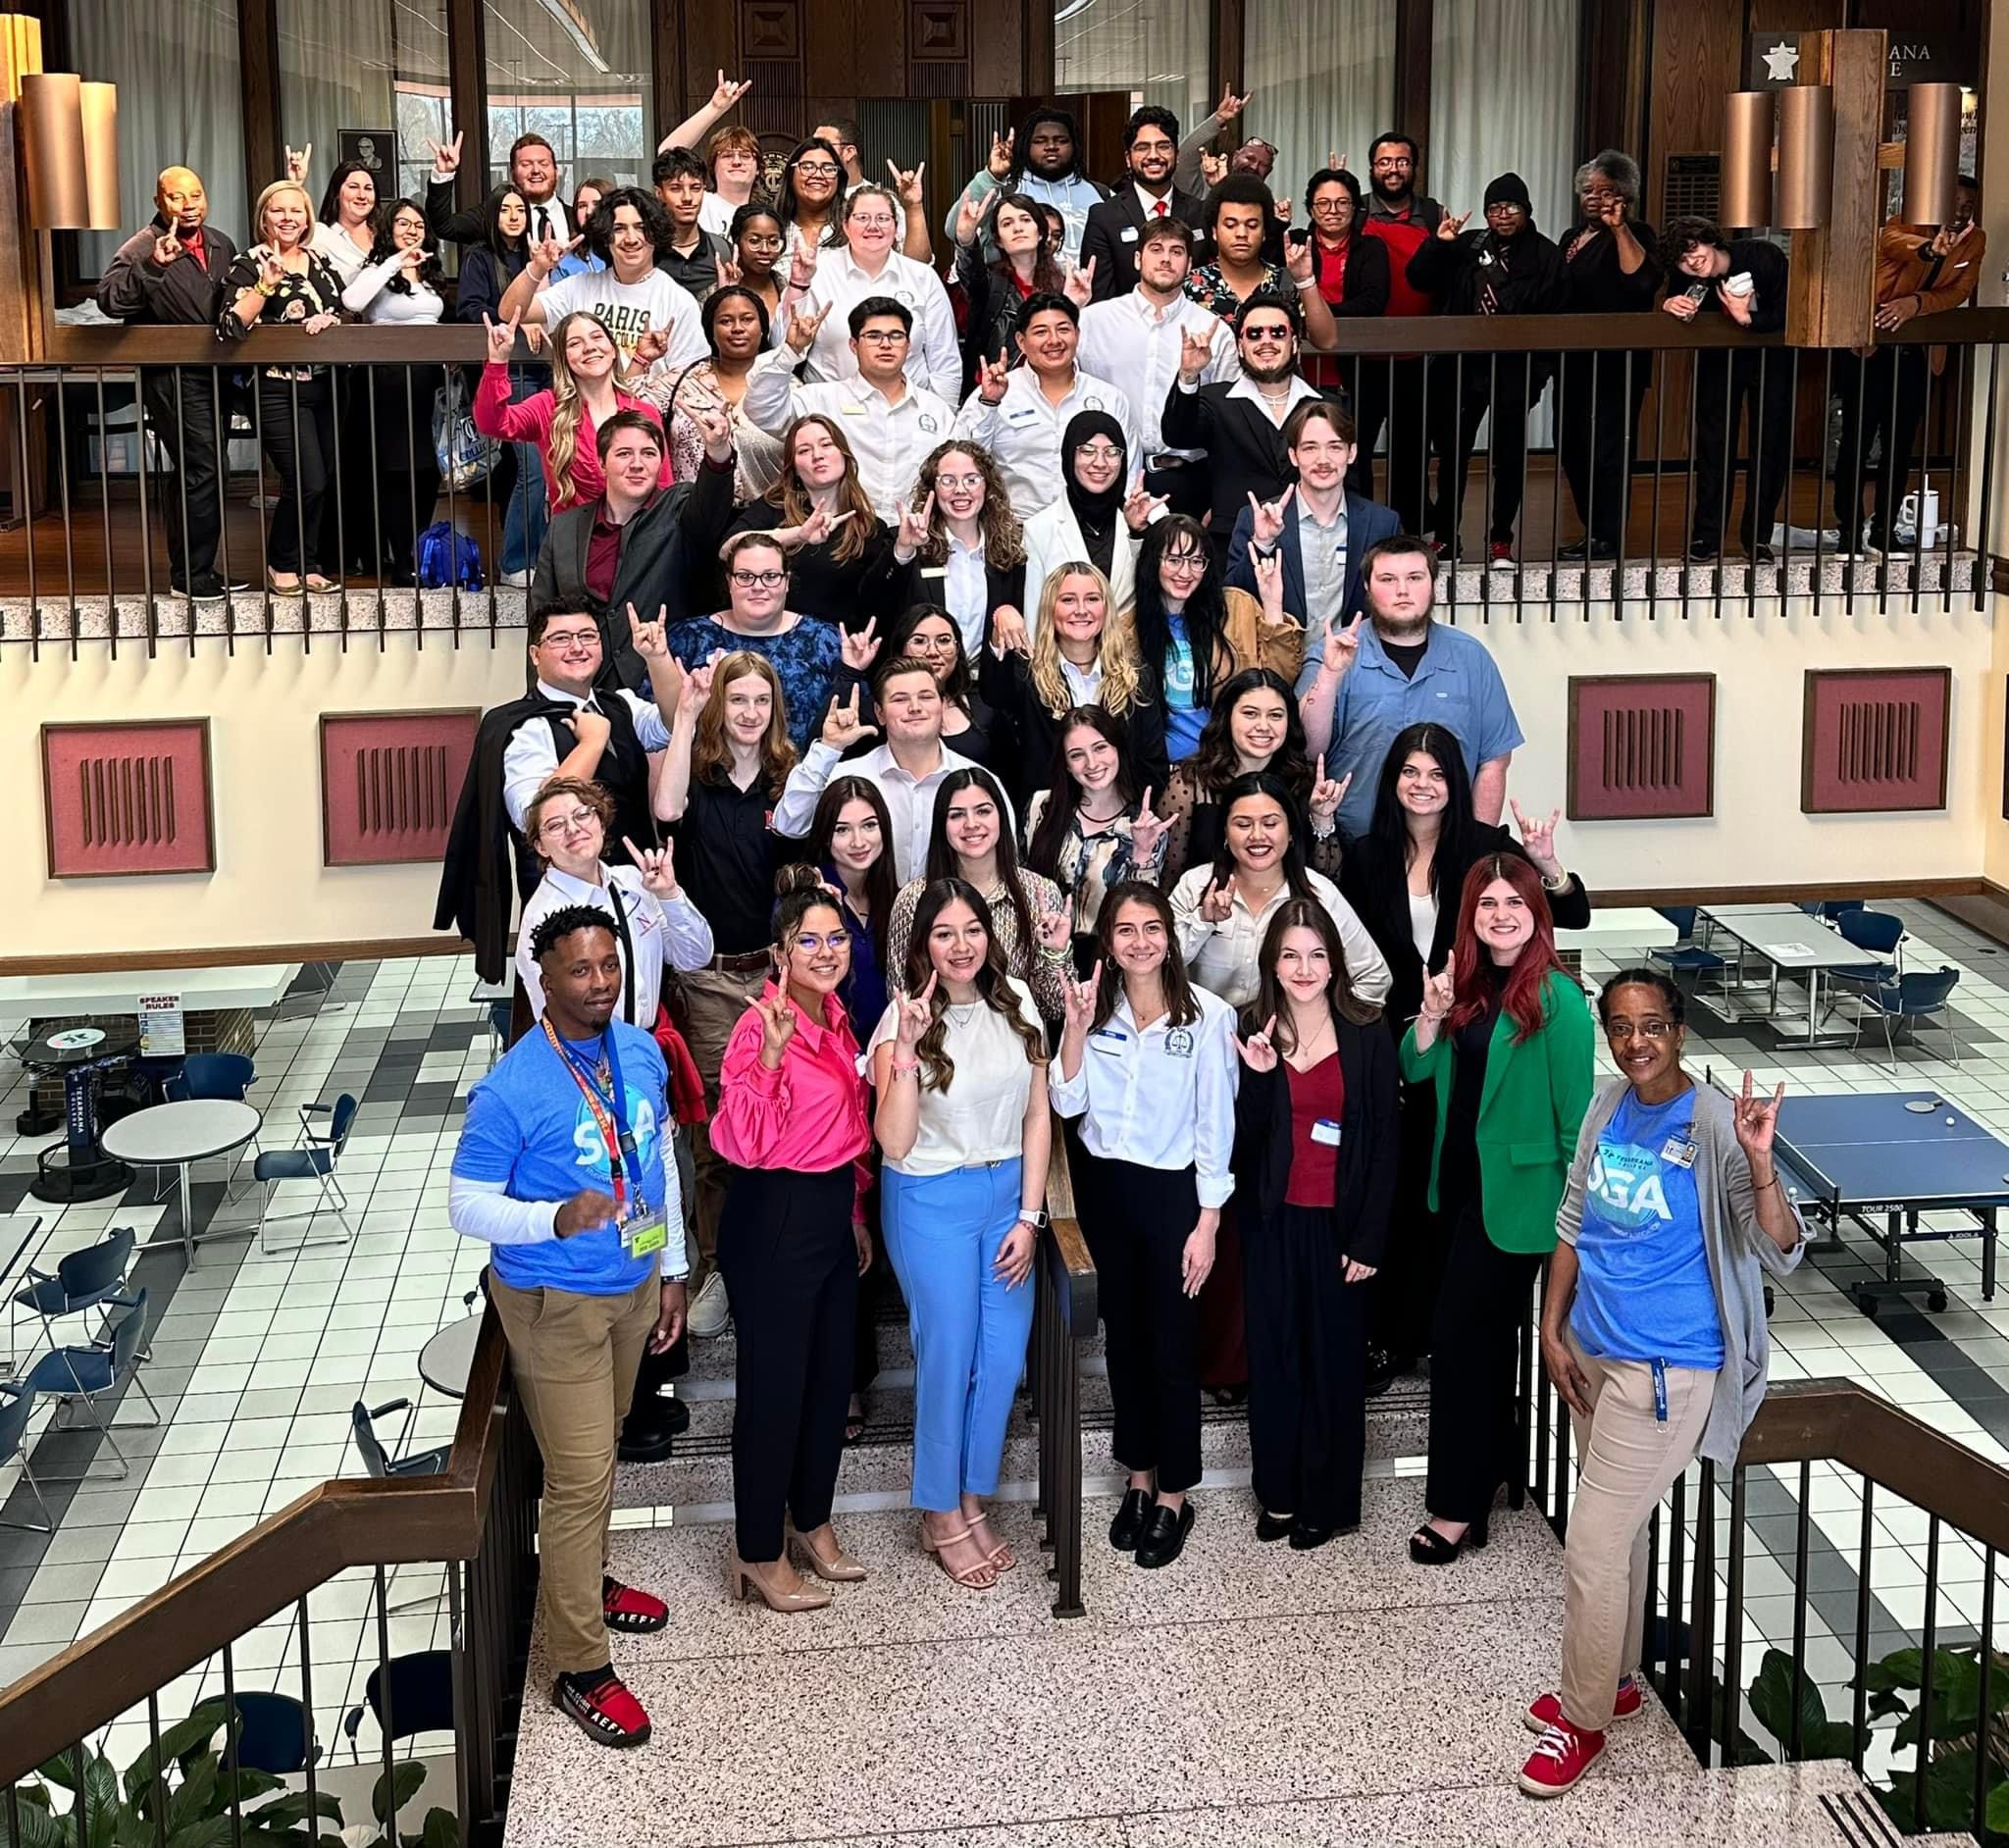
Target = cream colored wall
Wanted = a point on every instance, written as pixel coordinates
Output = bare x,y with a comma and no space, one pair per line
270,887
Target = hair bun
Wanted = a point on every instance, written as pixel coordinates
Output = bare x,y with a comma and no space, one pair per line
800,876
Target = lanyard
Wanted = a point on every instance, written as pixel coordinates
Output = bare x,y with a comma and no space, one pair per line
608,1115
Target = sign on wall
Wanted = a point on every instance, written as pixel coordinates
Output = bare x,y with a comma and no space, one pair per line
1773,61
373,148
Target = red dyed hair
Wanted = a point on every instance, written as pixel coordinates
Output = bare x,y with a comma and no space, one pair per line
1522,998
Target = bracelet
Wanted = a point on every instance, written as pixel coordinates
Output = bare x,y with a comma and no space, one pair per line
1560,884
1310,282
907,1069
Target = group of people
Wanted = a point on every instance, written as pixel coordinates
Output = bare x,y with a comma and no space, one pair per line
1171,304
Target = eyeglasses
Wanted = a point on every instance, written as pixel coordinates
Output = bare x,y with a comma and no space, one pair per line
1653,1030
817,170
884,337
1269,334
1185,564
871,221
568,638
931,644
760,241
1099,452
556,825
766,579
959,483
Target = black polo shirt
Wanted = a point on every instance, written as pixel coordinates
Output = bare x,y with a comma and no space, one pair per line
727,857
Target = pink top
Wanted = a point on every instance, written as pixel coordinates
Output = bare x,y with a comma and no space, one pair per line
530,421
810,1114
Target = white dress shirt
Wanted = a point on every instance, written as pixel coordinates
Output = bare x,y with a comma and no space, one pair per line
963,587
338,250
890,439
1222,957
1023,430
934,358
1278,411
909,799
1137,347
530,757
1164,1097
675,933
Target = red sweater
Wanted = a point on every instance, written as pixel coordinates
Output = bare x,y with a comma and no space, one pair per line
530,421
1404,236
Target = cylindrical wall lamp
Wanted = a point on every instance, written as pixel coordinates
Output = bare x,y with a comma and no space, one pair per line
1745,190
1806,156
70,134
1931,152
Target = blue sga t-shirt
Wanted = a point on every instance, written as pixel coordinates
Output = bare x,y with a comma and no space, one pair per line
1644,1291
1183,719
528,1127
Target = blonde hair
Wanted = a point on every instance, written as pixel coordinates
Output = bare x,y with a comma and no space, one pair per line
711,754
791,495
568,407
265,200
1115,653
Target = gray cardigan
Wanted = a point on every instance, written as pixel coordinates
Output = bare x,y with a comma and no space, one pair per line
1737,1246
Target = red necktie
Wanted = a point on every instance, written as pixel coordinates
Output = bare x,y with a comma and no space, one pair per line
1160,209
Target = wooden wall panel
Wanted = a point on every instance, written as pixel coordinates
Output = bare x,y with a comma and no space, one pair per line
1875,739
1698,49
1642,746
127,796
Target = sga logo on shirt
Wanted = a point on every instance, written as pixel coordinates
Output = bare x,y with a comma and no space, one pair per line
592,1146
1624,1179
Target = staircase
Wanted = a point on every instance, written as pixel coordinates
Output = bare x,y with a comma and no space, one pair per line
1247,1696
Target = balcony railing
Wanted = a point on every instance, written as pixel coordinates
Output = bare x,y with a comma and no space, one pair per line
92,483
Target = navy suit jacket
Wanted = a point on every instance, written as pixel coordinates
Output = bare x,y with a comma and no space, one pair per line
1366,523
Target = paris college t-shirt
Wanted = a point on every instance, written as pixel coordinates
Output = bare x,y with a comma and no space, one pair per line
629,310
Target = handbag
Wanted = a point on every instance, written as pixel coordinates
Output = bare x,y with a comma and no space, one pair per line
464,454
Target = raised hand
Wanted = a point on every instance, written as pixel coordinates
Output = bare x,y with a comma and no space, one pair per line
842,728
1266,518
445,156
1217,902
1054,929
502,340
546,256
913,526
1612,213
1335,160
1259,1051
859,649
652,347
1232,105
801,265
1284,208
657,869
993,376
1147,830
777,1029
1008,632
1213,168
716,424
534,336
1450,224
1342,647
1078,999
412,261
907,186
813,531
1757,1121
1269,570
271,271
1439,997
1079,285
1139,504
1296,259
1538,838
697,686
167,249
1196,354
300,162
725,93
917,1014
650,638
730,274
585,1212
802,328
1327,794
999,166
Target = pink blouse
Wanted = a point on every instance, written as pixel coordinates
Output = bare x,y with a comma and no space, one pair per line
810,1114
530,421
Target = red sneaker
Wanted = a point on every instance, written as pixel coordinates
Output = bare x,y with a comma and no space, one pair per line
1546,1709
1500,556
633,1611
1561,1755
608,1714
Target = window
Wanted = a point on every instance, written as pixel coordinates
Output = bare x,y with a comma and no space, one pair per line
1503,98
367,65
1155,49
175,65
578,73
1323,81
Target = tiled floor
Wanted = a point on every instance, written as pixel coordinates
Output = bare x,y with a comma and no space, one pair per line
257,1360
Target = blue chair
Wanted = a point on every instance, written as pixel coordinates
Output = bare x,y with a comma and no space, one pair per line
274,1734
1835,909
313,1158
1685,958
90,1279
227,1075
1915,998
87,1375
1880,934
17,1402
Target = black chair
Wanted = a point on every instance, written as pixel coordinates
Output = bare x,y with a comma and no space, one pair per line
380,1462
421,1690
274,1734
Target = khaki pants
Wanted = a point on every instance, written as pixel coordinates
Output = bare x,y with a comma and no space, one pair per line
713,1000
573,1359
1629,1460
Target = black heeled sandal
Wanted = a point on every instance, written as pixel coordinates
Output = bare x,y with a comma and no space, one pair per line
1428,1547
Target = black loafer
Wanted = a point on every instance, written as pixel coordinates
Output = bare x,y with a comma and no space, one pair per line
1127,1529
1164,1536
1269,1527
1305,1537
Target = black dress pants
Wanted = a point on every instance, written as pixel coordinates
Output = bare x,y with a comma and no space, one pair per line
297,433
1882,396
1393,393
790,1268
1597,432
1459,399
1726,383
1473,1346
1308,1364
1403,1294
184,405
1137,1221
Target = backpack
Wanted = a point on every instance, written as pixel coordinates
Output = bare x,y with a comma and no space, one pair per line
447,560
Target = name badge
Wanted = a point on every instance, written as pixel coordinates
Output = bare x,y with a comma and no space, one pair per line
1021,415
1326,1132
1677,1152
1129,234
1092,404
645,1234
852,410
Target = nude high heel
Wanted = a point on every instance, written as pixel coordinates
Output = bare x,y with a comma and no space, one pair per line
839,1570
775,1592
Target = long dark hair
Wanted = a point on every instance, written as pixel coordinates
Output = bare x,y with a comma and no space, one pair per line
786,205
493,239
1272,1003
430,272
1458,826
941,861
1045,272
1181,1007
994,983
1213,758
1043,850
1520,995
882,887
956,689
331,194
1246,788
1205,614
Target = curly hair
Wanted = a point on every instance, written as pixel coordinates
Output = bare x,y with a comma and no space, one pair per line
385,245
555,926
600,229
793,498
994,983
1004,535
1122,686
712,757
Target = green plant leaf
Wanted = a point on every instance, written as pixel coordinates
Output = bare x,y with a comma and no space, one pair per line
1949,1794
176,1744
196,1796
443,1830
206,1831
39,1829
252,1784
59,1770
1771,1699
1899,1669
292,1808
405,1780
1998,1808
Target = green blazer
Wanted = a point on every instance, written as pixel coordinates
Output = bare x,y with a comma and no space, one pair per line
1530,1113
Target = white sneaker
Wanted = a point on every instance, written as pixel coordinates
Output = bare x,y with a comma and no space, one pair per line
515,580
710,1311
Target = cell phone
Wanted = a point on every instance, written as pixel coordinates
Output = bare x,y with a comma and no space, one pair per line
1297,237
1697,292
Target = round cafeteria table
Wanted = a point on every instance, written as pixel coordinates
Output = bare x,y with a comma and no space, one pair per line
178,1136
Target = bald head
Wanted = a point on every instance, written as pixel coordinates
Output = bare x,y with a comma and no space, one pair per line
182,200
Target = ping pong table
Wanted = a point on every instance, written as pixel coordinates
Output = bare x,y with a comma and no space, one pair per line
1892,1156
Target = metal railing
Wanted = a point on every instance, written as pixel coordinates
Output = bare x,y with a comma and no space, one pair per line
1064,1314
303,1566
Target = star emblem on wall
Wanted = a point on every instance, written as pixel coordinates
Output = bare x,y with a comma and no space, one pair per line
1781,61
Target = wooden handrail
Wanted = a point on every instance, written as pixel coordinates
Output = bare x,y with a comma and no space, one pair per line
1065,1231
351,1522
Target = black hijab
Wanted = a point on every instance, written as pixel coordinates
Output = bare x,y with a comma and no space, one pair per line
1098,515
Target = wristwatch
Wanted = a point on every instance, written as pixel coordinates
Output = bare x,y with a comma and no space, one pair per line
1035,1216
1555,885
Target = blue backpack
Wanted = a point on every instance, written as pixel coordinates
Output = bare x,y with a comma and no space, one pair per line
445,559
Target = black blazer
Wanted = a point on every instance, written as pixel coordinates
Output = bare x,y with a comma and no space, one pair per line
1365,1192
848,592
682,527
1104,237
1002,588
1378,892
1023,758
1245,450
